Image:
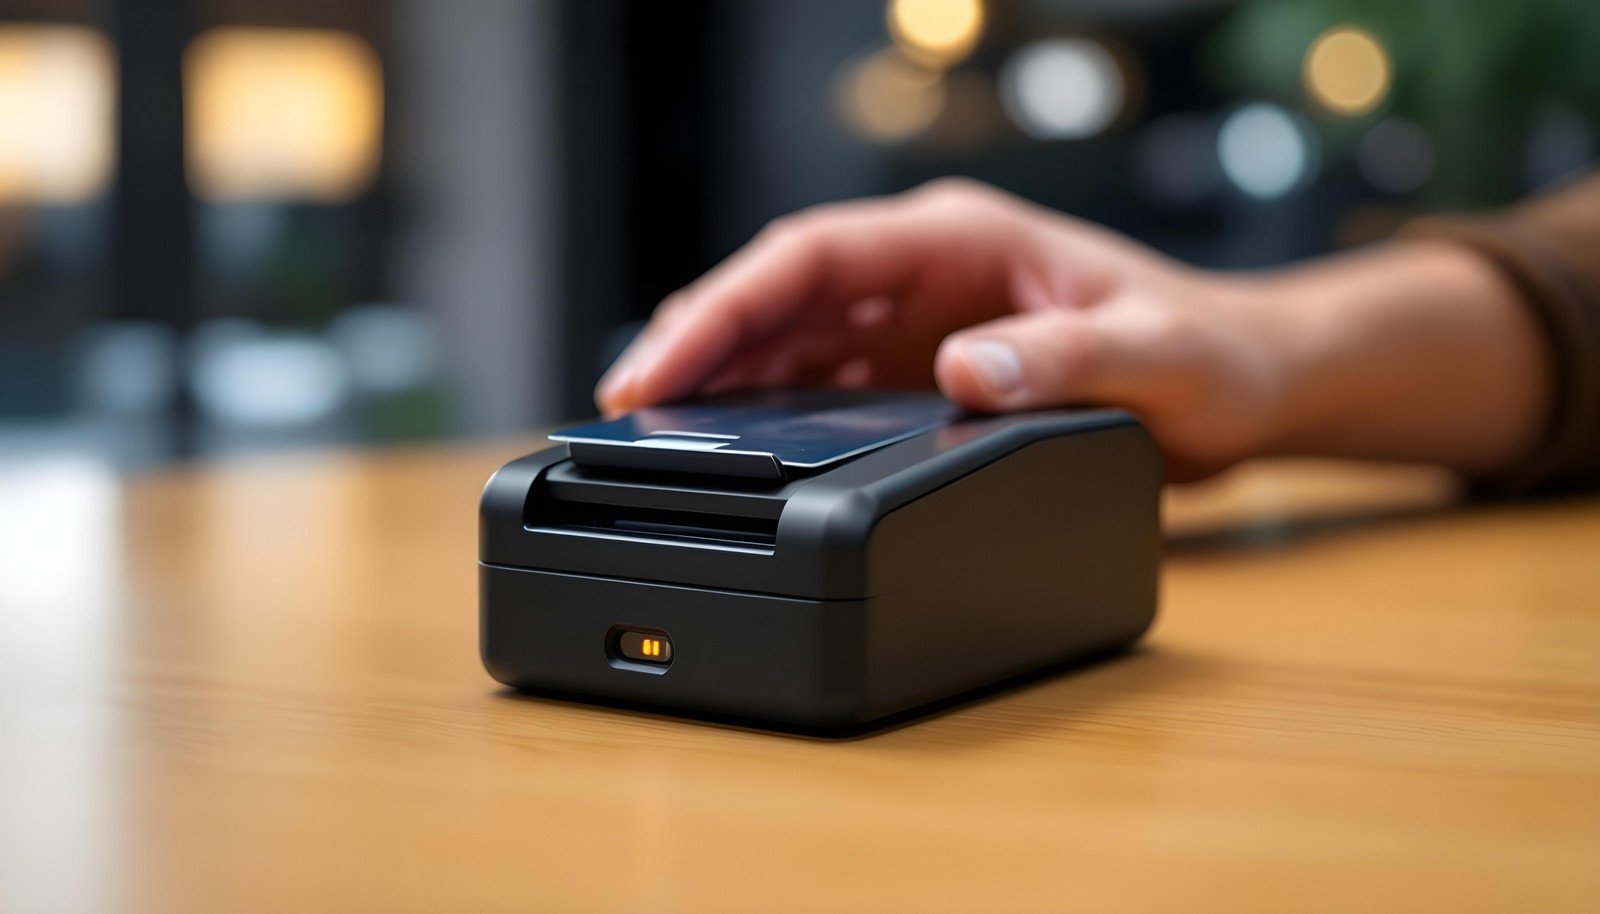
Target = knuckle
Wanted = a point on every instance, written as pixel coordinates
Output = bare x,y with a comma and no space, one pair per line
801,228
780,227
954,191
673,306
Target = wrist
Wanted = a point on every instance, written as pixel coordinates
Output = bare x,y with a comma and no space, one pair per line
1419,351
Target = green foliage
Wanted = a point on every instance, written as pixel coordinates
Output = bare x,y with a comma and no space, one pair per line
1476,74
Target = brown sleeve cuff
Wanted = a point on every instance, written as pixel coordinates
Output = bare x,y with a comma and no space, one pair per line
1552,255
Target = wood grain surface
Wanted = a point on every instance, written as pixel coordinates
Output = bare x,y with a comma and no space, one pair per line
254,687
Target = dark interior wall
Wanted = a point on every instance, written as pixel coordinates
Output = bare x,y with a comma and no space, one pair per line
686,127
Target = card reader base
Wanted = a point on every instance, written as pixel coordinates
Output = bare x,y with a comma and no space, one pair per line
968,555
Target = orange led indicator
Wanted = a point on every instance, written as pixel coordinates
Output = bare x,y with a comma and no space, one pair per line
636,645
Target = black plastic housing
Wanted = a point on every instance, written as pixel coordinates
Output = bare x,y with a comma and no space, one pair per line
970,554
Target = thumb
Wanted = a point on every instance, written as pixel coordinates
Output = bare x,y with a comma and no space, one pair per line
1105,355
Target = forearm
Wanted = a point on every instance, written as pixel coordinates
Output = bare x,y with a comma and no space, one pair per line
1418,351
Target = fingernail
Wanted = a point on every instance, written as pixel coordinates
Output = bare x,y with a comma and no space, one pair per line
996,364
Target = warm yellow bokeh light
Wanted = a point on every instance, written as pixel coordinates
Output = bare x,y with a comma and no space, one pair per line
57,112
939,31
1347,71
282,114
885,97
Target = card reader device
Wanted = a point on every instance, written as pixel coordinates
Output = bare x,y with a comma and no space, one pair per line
816,559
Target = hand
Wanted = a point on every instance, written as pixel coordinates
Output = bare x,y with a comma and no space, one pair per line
1007,306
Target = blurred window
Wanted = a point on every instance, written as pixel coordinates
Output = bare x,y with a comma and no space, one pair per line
282,114
56,114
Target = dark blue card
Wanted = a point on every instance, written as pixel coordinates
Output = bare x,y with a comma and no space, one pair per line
800,428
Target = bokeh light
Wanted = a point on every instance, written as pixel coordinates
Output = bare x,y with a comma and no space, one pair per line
245,376
274,114
129,367
1347,71
885,98
1265,151
1065,88
56,114
938,31
389,349
1396,156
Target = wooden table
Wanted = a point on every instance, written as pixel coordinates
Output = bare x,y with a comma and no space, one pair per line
255,687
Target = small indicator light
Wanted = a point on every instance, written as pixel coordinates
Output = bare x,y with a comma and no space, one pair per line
650,648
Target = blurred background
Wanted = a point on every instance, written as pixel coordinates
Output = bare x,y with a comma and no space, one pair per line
242,225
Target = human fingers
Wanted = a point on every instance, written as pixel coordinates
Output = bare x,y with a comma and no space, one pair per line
952,233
